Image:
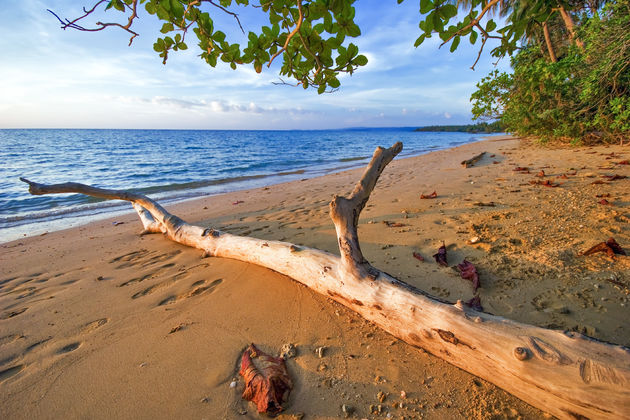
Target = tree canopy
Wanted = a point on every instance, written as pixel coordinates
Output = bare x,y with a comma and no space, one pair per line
560,50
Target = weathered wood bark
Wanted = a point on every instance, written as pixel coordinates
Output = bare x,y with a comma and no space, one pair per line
566,374
568,22
550,49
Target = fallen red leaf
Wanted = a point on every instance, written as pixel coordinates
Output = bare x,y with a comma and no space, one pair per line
612,244
475,303
469,272
623,162
417,256
440,257
604,202
432,195
541,173
521,169
267,382
610,247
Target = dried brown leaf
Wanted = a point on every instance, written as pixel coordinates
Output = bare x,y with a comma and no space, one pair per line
267,382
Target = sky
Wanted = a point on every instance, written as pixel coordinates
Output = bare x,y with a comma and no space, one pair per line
51,78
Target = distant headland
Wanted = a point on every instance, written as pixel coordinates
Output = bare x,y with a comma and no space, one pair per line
483,127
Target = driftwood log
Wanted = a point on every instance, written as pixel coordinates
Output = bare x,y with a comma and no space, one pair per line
563,373
471,162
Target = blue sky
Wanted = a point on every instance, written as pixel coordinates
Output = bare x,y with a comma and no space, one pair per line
50,78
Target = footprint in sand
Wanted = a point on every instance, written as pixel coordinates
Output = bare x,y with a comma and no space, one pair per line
69,348
11,314
12,371
91,326
197,288
150,275
162,285
36,345
143,258
8,339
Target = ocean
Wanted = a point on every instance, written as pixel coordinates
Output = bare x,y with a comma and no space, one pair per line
174,165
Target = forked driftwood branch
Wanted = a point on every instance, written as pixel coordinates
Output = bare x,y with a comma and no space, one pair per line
566,374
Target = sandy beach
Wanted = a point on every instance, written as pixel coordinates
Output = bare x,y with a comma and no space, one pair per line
99,322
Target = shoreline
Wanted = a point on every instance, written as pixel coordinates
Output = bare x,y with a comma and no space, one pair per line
74,216
101,301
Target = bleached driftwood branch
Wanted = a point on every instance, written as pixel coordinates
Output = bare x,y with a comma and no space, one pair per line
566,374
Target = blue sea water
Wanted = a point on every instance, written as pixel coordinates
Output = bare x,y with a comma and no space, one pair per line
172,165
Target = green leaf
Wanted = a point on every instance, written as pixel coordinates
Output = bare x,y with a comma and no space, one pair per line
321,89
334,83
455,43
167,27
119,5
352,50
354,30
473,37
491,26
425,6
420,40
177,9
150,8
449,10
360,60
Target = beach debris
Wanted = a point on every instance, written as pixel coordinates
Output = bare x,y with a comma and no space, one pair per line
237,202
429,196
381,396
604,202
177,328
267,382
471,162
319,351
541,173
417,256
623,162
482,204
393,224
521,169
469,272
475,303
440,257
347,410
118,223
403,395
234,383
288,351
610,247
474,240
545,183
614,177
606,195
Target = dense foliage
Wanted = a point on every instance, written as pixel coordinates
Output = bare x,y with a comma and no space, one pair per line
482,127
582,95
570,58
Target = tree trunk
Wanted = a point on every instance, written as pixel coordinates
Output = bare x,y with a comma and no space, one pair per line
568,22
552,53
566,374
